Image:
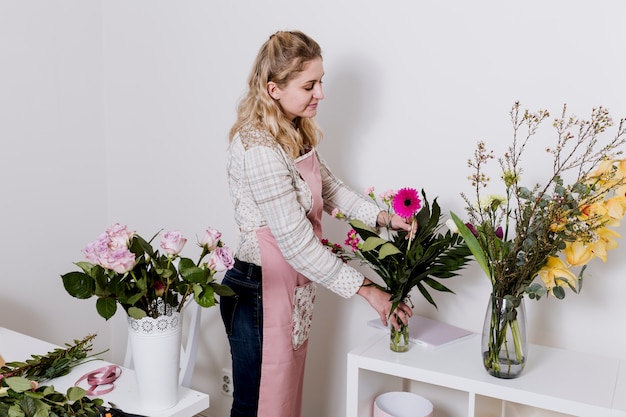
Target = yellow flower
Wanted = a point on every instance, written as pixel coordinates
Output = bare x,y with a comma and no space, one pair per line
577,253
608,175
553,269
603,168
604,243
510,178
559,221
593,211
616,205
621,168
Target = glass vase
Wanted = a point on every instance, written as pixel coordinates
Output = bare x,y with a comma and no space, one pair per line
504,347
399,339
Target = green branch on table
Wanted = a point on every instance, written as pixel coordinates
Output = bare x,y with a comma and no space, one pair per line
52,365
20,392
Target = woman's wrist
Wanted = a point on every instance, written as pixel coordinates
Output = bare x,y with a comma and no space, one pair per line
383,219
364,286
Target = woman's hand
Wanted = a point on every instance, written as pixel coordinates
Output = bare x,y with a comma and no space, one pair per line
395,222
379,300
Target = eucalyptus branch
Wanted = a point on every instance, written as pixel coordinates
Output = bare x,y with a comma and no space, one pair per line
54,364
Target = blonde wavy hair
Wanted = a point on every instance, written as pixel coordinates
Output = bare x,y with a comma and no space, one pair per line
279,60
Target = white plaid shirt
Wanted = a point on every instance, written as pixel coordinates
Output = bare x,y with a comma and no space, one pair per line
268,191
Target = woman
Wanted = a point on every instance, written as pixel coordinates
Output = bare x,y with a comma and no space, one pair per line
280,187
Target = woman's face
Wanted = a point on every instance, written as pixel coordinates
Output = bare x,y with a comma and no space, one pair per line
300,97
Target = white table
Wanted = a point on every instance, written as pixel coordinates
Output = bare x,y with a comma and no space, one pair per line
15,347
558,380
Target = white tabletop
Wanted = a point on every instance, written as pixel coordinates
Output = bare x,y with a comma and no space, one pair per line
16,347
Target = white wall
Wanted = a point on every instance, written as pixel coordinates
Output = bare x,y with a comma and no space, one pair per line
53,195
118,111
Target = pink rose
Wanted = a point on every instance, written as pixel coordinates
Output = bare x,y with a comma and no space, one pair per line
119,260
98,249
221,259
172,242
119,236
210,239
110,250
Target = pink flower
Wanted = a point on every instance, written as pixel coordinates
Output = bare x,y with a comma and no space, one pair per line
352,240
110,250
406,202
119,236
119,260
221,259
172,242
97,249
387,195
210,239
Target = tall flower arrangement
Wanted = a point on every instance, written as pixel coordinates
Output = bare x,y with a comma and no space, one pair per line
547,229
550,228
123,268
404,260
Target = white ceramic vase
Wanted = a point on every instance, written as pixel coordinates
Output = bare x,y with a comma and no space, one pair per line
155,345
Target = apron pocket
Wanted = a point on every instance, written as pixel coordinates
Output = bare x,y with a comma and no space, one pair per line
304,297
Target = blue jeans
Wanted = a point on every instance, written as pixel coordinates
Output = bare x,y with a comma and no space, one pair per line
243,319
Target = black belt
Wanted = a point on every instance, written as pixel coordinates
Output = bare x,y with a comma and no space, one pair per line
252,270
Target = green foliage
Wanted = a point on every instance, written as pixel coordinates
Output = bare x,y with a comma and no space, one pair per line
54,364
21,396
18,398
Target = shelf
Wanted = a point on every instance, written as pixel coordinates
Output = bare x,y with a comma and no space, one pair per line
554,379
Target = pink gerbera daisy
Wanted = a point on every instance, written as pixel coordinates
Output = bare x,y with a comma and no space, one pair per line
406,202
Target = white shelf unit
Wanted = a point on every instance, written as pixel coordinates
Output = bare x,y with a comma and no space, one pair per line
556,380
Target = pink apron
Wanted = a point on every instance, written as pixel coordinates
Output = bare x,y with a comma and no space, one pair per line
287,311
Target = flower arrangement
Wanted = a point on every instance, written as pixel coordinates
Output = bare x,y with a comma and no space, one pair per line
123,268
551,228
407,260
551,219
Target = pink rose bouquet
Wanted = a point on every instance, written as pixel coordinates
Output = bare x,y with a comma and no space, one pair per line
124,268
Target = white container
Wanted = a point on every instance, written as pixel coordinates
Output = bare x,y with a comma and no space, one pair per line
155,345
402,404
